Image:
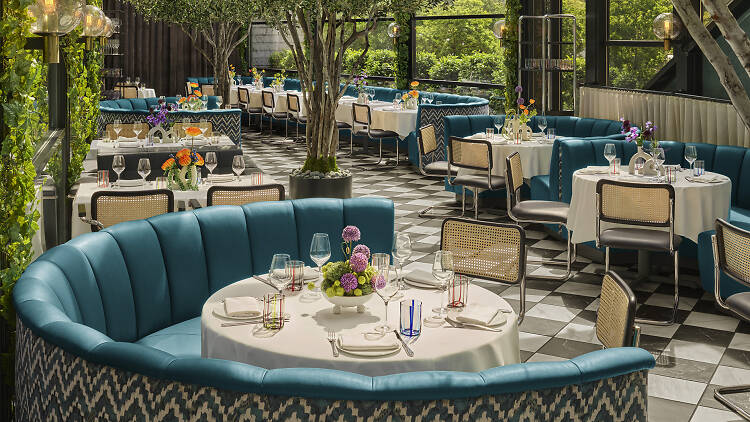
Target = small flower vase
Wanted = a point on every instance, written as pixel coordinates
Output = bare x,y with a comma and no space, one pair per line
524,132
258,84
278,88
362,98
510,130
411,103
639,154
183,179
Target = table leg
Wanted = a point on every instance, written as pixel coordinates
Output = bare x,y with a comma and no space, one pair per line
644,265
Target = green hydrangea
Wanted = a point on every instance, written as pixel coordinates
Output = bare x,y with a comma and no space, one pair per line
332,273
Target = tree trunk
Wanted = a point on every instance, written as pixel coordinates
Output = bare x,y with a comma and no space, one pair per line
720,62
733,33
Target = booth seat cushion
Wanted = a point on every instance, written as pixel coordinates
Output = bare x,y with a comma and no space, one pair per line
124,104
182,340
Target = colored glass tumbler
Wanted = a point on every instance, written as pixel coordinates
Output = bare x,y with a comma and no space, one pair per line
411,317
458,291
273,311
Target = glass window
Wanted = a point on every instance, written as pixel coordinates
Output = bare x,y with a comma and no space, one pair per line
633,67
633,20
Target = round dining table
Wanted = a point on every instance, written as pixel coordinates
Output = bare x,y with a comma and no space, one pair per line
696,208
302,342
535,154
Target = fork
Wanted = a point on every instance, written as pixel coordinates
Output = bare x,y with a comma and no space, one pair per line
332,340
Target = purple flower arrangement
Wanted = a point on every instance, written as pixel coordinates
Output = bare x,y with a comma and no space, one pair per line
637,135
353,276
159,116
360,82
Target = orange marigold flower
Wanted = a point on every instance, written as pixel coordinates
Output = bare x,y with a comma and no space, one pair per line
526,112
522,107
198,93
414,84
183,99
167,164
532,101
193,131
183,152
185,160
404,97
414,93
198,159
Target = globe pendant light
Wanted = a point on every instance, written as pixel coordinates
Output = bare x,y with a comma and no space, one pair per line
52,18
667,28
93,24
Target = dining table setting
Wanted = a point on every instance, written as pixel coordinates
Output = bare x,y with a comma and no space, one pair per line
327,315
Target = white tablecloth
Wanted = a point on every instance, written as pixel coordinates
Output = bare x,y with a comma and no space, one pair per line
302,342
535,156
99,146
146,93
697,205
384,116
86,191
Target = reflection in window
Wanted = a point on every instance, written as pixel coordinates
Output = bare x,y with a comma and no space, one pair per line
633,67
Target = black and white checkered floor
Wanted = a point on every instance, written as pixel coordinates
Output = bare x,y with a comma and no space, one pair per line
705,349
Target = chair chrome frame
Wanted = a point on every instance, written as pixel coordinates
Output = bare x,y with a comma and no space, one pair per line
632,332
269,102
366,126
97,224
520,280
293,111
245,105
720,265
271,188
421,152
669,223
513,198
470,167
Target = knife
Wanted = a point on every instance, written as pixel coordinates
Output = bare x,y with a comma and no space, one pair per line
408,351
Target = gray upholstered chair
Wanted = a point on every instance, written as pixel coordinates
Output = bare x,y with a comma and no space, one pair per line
362,117
615,318
111,207
427,146
643,206
240,195
475,156
243,99
487,250
731,247
532,211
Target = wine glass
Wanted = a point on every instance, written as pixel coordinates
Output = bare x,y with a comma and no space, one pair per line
383,285
277,274
211,163
219,101
320,253
117,127
442,270
144,168
371,93
610,153
691,154
497,121
541,122
118,166
659,158
238,166
137,129
401,251
203,126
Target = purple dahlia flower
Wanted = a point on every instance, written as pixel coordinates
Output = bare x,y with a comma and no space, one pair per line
362,249
378,281
350,234
519,89
358,262
349,282
520,101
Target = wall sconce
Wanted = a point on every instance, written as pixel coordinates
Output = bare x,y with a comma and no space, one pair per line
394,31
93,24
53,18
667,28
499,30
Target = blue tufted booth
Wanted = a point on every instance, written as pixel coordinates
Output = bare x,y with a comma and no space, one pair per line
566,127
109,327
733,162
133,110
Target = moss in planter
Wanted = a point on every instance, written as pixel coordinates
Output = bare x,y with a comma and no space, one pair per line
320,164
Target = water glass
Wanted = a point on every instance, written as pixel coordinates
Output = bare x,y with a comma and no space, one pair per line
386,288
144,168
277,273
411,317
541,122
256,178
442,270
161,182
211,162
219,101
238,166
610,153
670,173
118,165
401,251
616,166
381,261
489,133
458,291
295,273
273,311
640,162
102,178
699,168
551,135
691,154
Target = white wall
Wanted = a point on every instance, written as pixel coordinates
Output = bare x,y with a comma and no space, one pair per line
265,41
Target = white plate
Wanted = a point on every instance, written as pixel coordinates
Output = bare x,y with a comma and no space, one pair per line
420,285
370,353
221,312
498,321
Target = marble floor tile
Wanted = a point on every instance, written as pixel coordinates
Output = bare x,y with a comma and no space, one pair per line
675,389
727,375
740,341
567,348
694,351
717,322
556,313
708,414
541,357
531,342
663,410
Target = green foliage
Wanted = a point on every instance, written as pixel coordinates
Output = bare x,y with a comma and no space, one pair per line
401,56
22,78
459,36
320,164
282,59
510,55
332,273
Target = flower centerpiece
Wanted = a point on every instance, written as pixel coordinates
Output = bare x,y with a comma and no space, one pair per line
193,87
410,98
181,169
360,84
232,73
641,137
351,282
520,117
257,77
278,81
192,102
159,120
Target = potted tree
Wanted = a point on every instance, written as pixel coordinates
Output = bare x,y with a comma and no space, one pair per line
318,33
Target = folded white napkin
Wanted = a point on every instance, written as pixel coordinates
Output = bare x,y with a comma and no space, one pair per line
477,314
704,179
422,277
356,343
125,139
130,182
594,170
221,178
246,306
